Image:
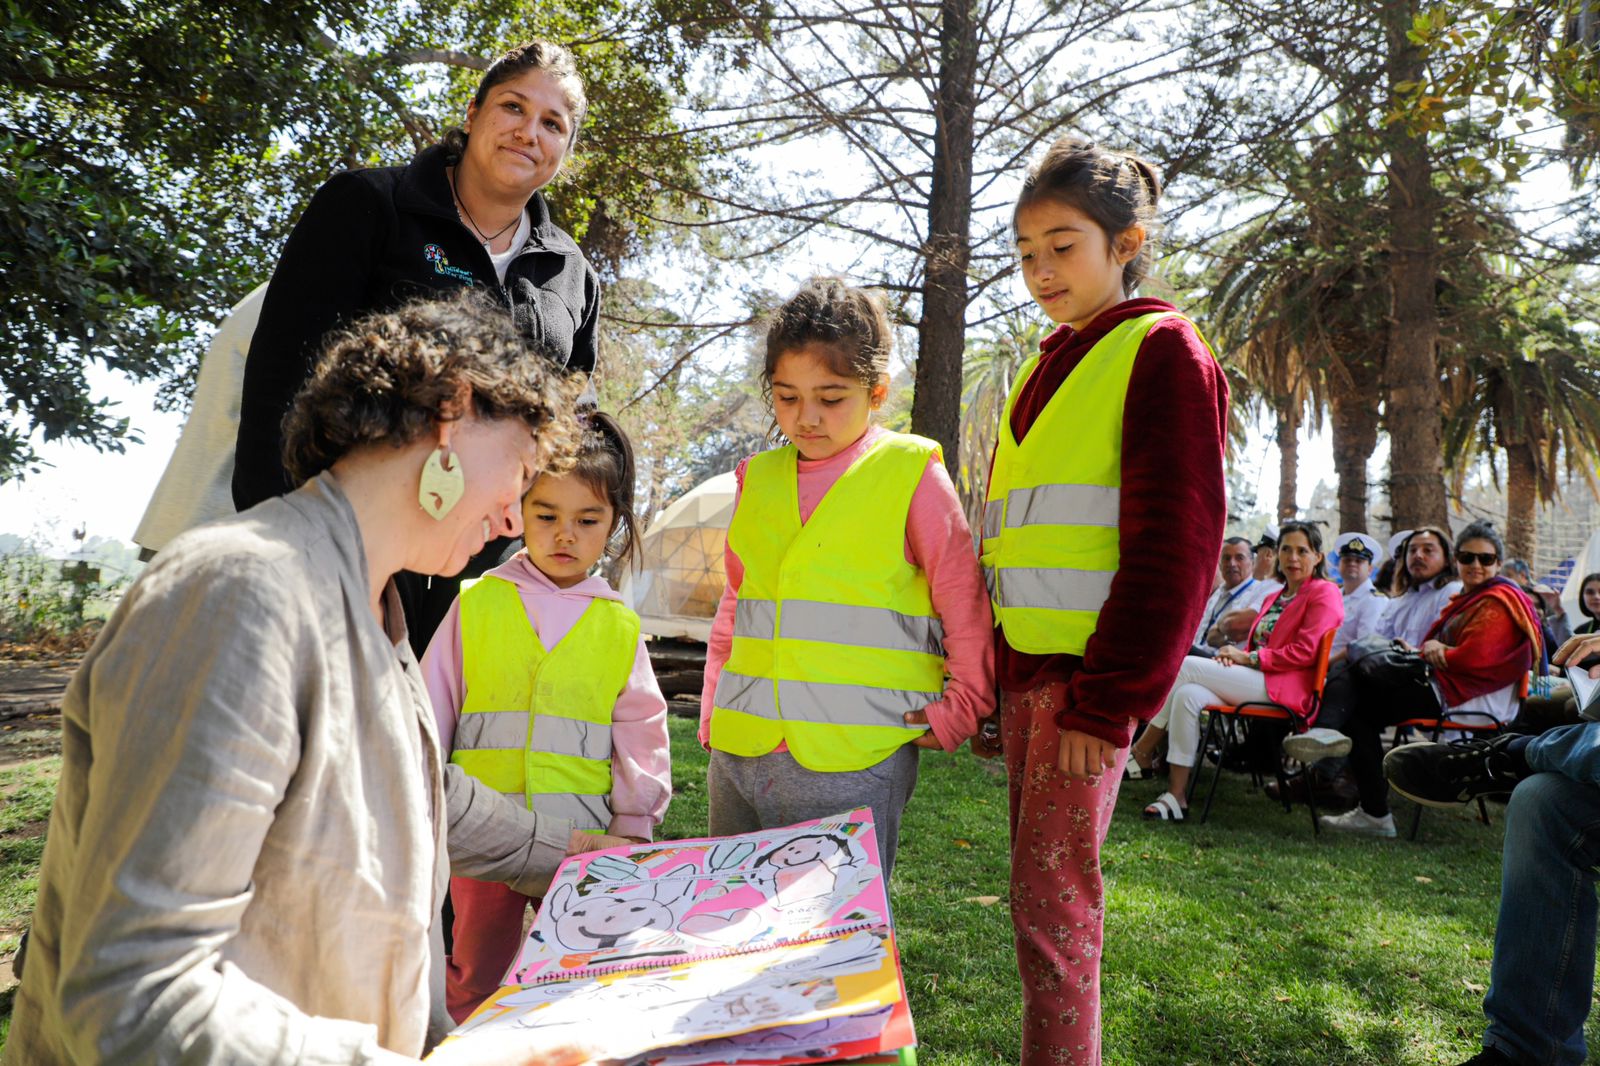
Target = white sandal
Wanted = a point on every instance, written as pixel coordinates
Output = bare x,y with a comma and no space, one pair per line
1132,771
1165,808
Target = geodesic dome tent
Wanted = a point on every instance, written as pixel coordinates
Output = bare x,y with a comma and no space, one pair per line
679,579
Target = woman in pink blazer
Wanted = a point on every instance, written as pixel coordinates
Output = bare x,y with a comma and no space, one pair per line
1278,664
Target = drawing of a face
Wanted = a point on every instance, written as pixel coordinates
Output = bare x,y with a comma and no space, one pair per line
600,923
801,850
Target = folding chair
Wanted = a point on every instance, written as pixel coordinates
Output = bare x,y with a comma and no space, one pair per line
1222,721
1479,724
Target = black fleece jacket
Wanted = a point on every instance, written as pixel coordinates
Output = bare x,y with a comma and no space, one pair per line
369,241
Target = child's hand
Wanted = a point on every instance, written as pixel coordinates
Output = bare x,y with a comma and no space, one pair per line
1082,755
580,842
926,740
986,744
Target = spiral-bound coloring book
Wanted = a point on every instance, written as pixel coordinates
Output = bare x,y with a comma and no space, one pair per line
770,947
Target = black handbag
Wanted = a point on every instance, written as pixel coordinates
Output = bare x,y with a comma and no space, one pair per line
1394,676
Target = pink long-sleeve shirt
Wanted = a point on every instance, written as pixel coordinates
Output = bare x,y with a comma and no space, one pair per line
641,762
939,541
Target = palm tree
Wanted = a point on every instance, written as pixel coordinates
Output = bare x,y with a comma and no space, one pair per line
1301,300
1303,325
1529,389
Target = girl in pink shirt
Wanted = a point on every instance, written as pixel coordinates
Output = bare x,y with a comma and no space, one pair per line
594,700
789,741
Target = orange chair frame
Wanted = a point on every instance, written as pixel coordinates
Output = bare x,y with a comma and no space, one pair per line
1224,717
1462,721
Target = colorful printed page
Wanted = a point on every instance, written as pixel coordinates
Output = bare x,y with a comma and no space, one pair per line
862,1039
648,905
756,1005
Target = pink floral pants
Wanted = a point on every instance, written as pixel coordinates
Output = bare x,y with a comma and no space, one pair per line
1057,899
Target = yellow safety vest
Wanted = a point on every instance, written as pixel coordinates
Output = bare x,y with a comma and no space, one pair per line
1050,521
536,724
835,637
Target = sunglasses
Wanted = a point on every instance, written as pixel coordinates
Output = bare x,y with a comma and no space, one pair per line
1481,558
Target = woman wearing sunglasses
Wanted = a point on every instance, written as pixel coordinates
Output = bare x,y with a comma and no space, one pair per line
1477,651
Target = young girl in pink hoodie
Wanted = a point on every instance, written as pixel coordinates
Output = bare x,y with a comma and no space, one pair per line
854,630
543,689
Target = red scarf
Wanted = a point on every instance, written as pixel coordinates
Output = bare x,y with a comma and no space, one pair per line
1504,667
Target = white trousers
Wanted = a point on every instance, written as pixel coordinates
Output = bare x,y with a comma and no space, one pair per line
1202,681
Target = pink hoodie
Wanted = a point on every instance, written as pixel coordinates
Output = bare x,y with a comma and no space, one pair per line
641,763
940,542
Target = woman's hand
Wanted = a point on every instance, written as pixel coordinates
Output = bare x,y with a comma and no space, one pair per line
1233,656
521,1048
1082,755
1433,653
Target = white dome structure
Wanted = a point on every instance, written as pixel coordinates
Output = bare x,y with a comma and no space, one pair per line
679,579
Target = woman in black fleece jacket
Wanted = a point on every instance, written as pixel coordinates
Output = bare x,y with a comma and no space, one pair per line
466,212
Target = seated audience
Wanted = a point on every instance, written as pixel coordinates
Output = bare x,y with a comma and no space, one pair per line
1278,665
1267,558
1356,554
1477,653
1558,707
1383,579
1589,605
1237,592
1388,578
1557,629
1330,781
1422,587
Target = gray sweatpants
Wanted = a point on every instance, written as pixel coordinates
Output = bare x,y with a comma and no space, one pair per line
749,793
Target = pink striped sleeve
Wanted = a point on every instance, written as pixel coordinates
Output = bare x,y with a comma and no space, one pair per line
720,644
641,760
441,673
940,542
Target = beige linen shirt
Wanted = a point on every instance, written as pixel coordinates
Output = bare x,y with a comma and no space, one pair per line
246,856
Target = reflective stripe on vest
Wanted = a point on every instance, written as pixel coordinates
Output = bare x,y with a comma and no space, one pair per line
537,724
835,636
840,623
811,701
1050,520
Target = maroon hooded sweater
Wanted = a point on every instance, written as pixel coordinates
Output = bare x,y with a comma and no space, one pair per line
1174,508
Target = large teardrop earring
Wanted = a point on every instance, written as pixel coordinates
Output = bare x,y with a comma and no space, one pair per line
442,484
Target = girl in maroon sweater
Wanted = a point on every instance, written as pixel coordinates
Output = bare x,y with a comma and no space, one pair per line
1067,717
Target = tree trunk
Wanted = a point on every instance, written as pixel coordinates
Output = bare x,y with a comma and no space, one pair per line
941,336
1522,500
1416,464
1355,438
1288,462
1354,415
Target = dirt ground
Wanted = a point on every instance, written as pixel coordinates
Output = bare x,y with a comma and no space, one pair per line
30,707
30,729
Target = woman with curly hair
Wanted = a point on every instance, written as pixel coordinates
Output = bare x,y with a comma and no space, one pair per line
465,213
247,852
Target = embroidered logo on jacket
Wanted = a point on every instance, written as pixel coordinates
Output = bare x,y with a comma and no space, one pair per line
441,265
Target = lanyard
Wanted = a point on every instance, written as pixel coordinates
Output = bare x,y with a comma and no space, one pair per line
1223,606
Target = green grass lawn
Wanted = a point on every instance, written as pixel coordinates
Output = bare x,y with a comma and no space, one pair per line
1246,940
